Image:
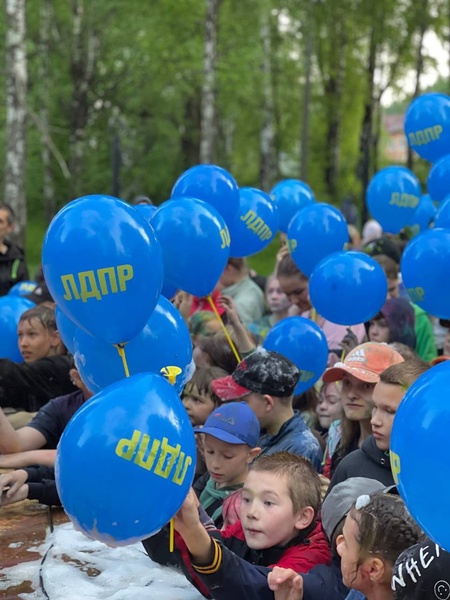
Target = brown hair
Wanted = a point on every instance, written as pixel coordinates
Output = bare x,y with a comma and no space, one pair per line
303,482
385,528
220,354
237,263
44,314
202,379
288,268
406,351
405,373
388,264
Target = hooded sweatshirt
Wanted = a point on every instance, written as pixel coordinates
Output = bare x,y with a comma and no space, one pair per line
12,268
368,461
399,315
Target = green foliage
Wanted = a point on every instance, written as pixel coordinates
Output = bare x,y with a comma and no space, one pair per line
146,88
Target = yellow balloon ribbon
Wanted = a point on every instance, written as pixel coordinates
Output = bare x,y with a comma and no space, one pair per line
224,329
121,351
171,373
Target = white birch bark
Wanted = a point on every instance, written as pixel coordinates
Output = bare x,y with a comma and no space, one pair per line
16,113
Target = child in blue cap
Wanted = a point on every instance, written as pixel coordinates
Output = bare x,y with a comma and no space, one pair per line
230,439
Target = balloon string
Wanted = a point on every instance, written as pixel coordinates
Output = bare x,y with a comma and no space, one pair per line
225,330
121,351
171,536
171,373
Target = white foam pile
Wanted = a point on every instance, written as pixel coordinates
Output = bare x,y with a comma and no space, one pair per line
77,568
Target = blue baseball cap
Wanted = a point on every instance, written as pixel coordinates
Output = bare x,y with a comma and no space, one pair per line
234,423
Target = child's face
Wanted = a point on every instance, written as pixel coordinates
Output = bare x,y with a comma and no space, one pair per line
296,290
329,405
35,341
347,547
198,405
378,330
227,463
276,299
386,399
267,512
356,398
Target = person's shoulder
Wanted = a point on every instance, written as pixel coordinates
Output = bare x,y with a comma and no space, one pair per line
14,251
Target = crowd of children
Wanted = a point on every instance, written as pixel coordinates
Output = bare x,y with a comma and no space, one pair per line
292,498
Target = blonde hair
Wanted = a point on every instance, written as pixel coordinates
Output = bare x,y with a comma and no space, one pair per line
303,482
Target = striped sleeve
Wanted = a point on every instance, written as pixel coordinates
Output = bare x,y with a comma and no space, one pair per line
215,563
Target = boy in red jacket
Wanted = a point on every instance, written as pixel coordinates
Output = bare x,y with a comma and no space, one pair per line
278,527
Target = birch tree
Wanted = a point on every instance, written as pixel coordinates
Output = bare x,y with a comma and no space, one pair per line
208,111
16,113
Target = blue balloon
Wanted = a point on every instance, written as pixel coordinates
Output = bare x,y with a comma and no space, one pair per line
419,457
168,290
291,195
213,185
425,273
146,210
23,288
424,215
348,288
427,125
303,342
164,342
126,460
392,198
66,329
438,182
195,242
11,309
103,265
443,214
255,224
315,232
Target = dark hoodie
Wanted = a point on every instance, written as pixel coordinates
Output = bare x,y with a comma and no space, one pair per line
399,315
368,461
12,268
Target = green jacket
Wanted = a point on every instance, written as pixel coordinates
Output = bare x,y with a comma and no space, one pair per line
423,328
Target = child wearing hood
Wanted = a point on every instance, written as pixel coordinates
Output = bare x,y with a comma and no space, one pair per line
394,323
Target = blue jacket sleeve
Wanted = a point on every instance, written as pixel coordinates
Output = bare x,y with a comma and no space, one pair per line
237,579
229,576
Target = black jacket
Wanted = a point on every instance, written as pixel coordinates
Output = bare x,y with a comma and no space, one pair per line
12,268
368,461
28,386
42,485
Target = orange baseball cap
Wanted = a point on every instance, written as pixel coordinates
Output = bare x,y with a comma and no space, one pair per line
365,362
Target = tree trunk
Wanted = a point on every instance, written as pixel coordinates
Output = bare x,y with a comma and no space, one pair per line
333,92
84,51
208,115
268,162
419,66
366,136
16,113
44,77
304,143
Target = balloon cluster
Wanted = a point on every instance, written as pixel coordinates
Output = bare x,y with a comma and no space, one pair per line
132,442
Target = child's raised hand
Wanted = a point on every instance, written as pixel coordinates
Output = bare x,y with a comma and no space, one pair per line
349,341
13,487
230,309
187,518
286,584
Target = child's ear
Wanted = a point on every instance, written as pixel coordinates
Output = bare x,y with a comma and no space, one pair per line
270,402
55,338
305,517
253,453
376,569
